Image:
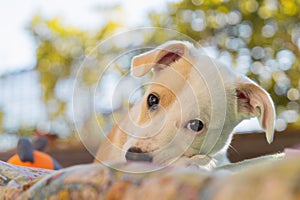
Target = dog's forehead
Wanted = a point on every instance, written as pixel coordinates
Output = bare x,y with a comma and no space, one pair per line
195,97
187,72
210,68
183,82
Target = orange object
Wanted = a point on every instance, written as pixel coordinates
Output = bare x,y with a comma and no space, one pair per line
41,160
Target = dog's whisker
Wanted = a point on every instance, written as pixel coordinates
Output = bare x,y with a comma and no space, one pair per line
234,149
213,163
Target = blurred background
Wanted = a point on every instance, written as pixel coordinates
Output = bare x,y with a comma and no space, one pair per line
43,55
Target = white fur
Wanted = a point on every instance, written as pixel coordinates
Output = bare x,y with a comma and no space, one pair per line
211,92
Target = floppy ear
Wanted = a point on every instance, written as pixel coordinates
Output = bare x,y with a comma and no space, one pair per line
158,58
253,101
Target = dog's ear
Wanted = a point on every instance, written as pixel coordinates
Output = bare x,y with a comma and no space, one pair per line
253,101
158,58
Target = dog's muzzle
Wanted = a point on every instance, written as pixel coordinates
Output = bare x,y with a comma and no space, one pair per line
136,154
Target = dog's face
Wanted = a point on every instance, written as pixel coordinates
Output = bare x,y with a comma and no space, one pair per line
191,106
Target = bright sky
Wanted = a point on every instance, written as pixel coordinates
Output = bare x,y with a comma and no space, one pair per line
17,50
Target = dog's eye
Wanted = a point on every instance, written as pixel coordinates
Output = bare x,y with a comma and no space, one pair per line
195,125
152,101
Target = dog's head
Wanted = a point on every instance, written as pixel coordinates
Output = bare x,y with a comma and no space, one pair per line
191,107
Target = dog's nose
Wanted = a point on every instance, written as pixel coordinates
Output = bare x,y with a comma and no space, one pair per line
136,154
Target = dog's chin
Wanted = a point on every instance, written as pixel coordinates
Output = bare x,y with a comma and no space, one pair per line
199,162
163,159
170,161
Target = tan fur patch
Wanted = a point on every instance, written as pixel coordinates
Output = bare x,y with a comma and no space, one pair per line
166,95
113,143
184,67
166,98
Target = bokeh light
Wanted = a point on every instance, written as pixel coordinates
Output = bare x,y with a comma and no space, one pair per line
260,39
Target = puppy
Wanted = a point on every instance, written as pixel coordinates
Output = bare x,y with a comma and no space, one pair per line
188,112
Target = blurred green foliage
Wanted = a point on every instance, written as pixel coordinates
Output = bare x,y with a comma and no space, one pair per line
61,50
259,38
